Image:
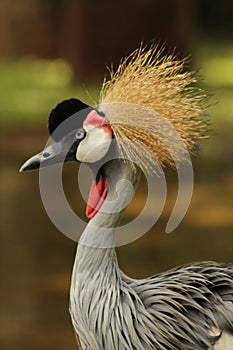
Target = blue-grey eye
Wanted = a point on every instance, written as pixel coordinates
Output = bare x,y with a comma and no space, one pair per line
80,134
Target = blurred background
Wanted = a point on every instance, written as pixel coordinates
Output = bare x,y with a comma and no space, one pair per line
54,49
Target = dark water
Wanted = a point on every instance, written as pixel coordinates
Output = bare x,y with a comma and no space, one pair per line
36,260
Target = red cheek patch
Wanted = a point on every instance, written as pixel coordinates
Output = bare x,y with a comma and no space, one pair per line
95,120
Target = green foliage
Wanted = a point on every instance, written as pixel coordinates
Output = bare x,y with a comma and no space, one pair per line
216,63
29,89
215,60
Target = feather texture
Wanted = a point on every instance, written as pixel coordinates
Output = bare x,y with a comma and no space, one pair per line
186,308
153,102
175,310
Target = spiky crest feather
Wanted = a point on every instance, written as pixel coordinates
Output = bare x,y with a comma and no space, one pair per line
145,98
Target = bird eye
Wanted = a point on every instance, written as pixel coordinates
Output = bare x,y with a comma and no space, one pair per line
46,154
80,134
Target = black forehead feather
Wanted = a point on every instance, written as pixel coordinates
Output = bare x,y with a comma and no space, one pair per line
62,112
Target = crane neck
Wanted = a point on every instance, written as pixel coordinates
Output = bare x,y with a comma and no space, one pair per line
122,182
96,263
96,248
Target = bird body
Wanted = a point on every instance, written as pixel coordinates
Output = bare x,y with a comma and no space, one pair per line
185,308
149,112
179,309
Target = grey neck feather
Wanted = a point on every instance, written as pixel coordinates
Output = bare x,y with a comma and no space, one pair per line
95,268
122,181
96,252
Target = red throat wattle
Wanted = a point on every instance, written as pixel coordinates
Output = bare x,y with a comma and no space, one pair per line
97,196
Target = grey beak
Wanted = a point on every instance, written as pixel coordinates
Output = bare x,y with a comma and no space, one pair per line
32,163
53,154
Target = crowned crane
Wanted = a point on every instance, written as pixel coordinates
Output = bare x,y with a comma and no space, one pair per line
186,308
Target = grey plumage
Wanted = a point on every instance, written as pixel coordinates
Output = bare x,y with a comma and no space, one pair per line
185,308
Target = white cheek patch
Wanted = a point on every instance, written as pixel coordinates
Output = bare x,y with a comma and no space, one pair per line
94,146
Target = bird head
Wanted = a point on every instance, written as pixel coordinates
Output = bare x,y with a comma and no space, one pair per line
79,133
